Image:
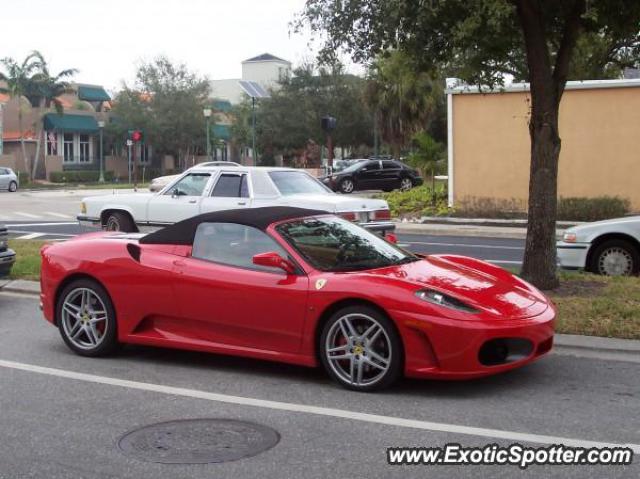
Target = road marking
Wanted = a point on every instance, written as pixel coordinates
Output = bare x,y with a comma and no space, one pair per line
31,236
20,225
27,215
59,215
316,410
457,245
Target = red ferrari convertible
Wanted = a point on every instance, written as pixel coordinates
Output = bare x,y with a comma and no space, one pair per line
298,286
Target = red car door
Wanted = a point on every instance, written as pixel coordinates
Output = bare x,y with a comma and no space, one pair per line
225,299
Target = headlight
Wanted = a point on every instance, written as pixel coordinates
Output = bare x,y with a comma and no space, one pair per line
441,299
83,208
569,237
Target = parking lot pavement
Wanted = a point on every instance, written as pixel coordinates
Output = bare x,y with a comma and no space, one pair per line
58,423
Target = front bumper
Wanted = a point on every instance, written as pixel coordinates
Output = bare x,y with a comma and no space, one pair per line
89,222
7,259
572,255
445,348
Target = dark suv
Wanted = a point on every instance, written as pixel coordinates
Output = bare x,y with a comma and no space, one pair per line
7,256
385,175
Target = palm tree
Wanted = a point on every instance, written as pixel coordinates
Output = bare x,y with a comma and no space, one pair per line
18,77
43,92
402,98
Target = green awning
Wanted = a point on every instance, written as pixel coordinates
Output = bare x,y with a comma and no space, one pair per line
221,132
70,123
93,93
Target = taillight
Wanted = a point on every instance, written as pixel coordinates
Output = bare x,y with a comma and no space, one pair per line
348,215
382,214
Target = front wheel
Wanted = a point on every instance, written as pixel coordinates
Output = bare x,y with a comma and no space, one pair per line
117,221
406,184
347,186
615,257
361,349
86,319
13,187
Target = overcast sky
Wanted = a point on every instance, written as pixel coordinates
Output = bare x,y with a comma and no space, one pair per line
106,39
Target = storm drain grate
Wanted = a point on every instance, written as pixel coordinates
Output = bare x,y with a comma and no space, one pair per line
198,441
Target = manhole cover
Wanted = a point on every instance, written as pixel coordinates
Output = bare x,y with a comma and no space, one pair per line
198,441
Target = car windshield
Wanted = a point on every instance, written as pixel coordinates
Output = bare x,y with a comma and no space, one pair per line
353,167
342,165
334,244
296,182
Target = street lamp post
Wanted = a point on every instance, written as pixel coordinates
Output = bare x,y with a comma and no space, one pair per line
207,115
101,126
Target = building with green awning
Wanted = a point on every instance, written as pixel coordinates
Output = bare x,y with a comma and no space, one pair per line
70,123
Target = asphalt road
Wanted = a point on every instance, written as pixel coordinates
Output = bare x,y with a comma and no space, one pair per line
57,425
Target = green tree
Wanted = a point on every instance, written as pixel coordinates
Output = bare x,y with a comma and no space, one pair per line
405,101
428,155
166,101
18,77
43,91
482,41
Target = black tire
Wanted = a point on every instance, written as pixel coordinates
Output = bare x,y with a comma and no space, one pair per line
391,337
118,221
405,182
623,247
13,187
344,186
109,341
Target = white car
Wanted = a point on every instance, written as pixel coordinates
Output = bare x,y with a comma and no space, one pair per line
160,182
209,188
8,179
610,247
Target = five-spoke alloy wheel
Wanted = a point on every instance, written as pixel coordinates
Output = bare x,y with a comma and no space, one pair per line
361,349
406,184
86,319
347,186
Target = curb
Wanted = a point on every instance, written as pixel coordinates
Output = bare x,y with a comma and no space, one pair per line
566,344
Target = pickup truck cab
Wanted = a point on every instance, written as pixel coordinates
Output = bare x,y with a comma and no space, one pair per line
203,189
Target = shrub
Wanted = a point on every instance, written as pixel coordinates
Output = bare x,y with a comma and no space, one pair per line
419,201
592,209
492,208
80,176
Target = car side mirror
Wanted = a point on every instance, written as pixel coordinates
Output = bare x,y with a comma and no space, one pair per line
272,259
176,193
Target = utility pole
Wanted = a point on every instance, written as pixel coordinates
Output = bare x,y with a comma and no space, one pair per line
253,131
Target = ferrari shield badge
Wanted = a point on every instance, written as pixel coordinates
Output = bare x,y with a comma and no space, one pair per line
320,283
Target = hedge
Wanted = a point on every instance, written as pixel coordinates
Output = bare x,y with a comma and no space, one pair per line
80,176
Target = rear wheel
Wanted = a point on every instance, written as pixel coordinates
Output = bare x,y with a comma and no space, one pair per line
13,187
86,319
360,349
118,221
616,257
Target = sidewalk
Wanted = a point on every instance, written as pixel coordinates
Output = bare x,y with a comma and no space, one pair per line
564,344
456,229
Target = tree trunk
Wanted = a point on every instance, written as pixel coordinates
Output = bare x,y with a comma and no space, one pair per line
39,130
539,265
22,145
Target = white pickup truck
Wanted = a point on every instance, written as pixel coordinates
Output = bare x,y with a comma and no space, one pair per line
209,188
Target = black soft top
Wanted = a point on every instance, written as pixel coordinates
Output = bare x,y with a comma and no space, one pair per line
184,232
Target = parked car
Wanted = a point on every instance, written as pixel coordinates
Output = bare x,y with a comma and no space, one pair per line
161,181
270,283
385,175
8,179
211,188
610,247
7,256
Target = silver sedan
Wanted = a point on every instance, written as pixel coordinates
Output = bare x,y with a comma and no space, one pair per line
8,179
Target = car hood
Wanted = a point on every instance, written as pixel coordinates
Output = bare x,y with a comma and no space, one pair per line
605,225
335,203
481,285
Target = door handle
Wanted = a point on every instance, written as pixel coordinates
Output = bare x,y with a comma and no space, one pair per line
242,203
192,201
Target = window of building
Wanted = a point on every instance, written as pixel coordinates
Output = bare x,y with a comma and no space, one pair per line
85,141
52,143
68,148
234,245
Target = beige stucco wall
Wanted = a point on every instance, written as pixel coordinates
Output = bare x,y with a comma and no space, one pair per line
600,131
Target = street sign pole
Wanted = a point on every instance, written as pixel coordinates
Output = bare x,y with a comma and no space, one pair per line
129,144
253,131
